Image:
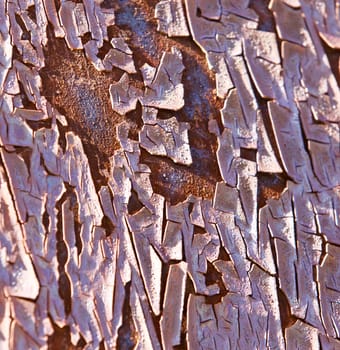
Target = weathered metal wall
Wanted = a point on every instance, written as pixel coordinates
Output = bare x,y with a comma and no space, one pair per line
169,174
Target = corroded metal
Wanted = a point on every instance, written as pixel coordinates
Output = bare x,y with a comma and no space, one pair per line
169,174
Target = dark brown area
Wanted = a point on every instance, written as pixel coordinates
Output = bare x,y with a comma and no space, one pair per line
136,20
287,319
249,154
107,225
214,277
61,340
134,205
223,255
127,336
26,154
64,284
26,35
200,178
334,60
182,346
81,93
189,289
73,85
31,13
135,121
39,124
74,207
270,186
176,182
24,98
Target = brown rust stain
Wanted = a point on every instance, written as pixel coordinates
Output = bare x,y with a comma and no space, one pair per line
80,92
61,339
270,186
175,182
287,319
77,89
334,60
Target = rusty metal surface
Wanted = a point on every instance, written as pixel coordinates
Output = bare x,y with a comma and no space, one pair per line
169,174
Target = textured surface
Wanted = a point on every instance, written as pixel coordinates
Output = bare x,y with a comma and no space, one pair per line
169,174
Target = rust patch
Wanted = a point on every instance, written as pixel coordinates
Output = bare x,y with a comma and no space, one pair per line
73,85
64,282
334,60
201,105
189,289
61,339
269,186
287,319
173,181
176,182
81,93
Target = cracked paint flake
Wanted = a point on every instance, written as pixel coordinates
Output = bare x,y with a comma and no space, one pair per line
171,18
119,56
123,96
165,89
167,138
